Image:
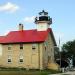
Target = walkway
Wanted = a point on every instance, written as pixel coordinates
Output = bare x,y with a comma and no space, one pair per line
66,73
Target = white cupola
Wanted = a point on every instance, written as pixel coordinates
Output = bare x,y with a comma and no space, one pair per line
43,21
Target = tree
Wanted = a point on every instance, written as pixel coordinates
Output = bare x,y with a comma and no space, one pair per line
56,53
62,62
68,50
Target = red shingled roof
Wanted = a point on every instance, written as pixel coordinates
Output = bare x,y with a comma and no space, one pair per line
25,36
1,38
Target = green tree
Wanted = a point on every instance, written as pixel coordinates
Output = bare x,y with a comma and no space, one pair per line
68,50
56,53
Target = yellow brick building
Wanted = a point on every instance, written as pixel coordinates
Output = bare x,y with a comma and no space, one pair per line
31,49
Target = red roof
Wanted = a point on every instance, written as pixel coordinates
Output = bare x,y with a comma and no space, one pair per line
1,38
25,36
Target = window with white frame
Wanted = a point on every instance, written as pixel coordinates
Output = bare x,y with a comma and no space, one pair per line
33,46
21,46
9,47
21,59
9,59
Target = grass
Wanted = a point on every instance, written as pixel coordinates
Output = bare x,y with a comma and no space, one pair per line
25,72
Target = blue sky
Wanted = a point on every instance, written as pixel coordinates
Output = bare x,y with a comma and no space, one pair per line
62,12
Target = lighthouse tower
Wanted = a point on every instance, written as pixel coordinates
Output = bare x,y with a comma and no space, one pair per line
43,21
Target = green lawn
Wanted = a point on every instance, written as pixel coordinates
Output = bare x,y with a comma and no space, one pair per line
24,72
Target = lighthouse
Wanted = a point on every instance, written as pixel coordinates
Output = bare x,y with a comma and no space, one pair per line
43,21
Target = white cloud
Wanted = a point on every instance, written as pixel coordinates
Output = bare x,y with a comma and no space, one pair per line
29,19
9,7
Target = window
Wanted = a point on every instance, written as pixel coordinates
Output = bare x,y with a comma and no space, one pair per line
21,46
33,46
9,59
9,47
21,59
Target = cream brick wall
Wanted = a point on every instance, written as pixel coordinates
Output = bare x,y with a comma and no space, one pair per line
0,55
0,49
33,59
48,54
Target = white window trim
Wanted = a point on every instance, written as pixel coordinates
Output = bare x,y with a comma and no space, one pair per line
34,46
21,57
9,57
9,46
21,46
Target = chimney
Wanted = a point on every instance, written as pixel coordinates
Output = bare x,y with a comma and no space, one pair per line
20,27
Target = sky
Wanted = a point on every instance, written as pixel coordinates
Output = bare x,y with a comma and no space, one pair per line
62,12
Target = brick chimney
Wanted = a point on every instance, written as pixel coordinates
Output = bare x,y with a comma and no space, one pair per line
20,27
